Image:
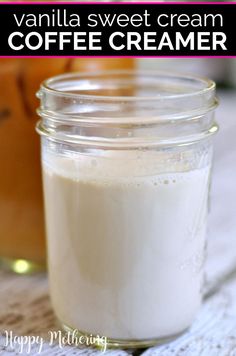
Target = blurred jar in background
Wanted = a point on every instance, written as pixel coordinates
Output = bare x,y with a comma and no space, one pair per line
22,243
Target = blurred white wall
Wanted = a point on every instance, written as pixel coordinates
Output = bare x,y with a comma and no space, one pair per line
222,70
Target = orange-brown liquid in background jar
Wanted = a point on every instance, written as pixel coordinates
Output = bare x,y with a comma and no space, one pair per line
21,205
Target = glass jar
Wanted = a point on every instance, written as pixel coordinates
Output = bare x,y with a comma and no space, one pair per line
22,242
126,159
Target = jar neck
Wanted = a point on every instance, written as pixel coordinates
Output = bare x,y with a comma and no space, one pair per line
121,109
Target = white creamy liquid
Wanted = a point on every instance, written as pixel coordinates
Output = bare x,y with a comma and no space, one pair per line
125,252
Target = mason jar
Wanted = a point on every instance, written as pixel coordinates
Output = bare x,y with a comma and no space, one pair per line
126,160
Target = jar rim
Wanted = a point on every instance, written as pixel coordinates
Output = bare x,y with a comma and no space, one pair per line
52,85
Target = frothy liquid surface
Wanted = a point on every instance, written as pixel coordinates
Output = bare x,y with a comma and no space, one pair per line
125,253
